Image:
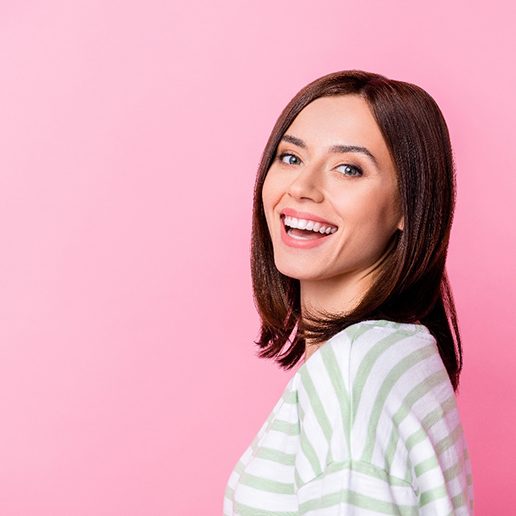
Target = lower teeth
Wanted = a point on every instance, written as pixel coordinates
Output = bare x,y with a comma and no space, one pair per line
307,232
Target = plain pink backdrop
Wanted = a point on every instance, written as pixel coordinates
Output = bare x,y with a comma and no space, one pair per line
130,135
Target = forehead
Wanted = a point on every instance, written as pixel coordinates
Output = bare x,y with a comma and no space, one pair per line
342,119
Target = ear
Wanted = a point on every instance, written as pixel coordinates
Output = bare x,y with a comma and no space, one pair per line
401,223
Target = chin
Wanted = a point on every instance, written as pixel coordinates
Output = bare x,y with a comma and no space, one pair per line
299,273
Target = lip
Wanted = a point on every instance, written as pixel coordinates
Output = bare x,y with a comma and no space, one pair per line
301,244
304,215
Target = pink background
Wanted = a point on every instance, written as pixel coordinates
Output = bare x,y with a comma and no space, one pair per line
130,137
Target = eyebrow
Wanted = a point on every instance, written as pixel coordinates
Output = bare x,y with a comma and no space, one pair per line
333,148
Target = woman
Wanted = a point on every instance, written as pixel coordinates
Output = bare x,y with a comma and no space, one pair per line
353,208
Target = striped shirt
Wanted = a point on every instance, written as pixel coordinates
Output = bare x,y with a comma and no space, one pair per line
367,425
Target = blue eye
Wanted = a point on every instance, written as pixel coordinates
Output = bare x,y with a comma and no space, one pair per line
349,170
287,154
355,171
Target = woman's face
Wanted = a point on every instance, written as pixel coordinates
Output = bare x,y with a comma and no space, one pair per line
352,186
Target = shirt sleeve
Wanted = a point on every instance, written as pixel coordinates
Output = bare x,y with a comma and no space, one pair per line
357,488
379,429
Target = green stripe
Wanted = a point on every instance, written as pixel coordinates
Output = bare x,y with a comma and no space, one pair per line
246,510
367,363
409,477
453,471
297,479
228,493
432,494
357,330
442,410
316,404
266,484
382,322
287,459
449,440
311,455
265,428
290,397
355,498
408,402
285,427
459,500
367,469
388,383
422,434
426,465
440,447
268,425
363,467
441,492
334,371
239,468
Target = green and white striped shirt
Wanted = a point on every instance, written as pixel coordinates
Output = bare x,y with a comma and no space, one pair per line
367,425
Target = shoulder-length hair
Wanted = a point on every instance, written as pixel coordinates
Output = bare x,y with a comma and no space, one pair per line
411,284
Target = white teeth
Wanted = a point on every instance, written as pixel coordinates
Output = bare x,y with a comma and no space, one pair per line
309,225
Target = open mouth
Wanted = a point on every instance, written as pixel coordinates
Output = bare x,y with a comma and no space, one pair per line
302,229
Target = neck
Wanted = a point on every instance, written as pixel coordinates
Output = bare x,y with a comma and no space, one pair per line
336,295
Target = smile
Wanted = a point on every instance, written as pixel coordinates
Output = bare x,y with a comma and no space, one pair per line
309,225
304,233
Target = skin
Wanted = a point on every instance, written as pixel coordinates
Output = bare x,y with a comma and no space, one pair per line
365,206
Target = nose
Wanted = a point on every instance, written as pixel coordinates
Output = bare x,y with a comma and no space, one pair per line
307,184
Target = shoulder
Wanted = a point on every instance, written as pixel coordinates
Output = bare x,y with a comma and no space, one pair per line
390,358
370,361
376,400
366,357
385,347
349,386
368,372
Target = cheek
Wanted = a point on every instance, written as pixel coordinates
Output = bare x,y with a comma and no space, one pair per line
271,191
372,220
269,200
386,205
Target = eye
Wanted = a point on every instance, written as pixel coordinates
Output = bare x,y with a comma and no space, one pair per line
351,170
287,155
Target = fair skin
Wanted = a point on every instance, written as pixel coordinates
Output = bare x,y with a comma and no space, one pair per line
354,190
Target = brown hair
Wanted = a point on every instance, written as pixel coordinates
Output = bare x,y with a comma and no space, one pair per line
412,284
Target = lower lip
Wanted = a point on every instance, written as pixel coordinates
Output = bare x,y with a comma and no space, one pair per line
301,244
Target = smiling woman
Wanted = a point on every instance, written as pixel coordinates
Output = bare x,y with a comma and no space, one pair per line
352,213
339,170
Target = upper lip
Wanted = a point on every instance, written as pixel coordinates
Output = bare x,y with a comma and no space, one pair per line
304,215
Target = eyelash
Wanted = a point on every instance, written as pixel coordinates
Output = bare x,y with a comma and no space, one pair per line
283,154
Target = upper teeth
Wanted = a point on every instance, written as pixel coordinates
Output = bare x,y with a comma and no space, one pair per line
309,224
